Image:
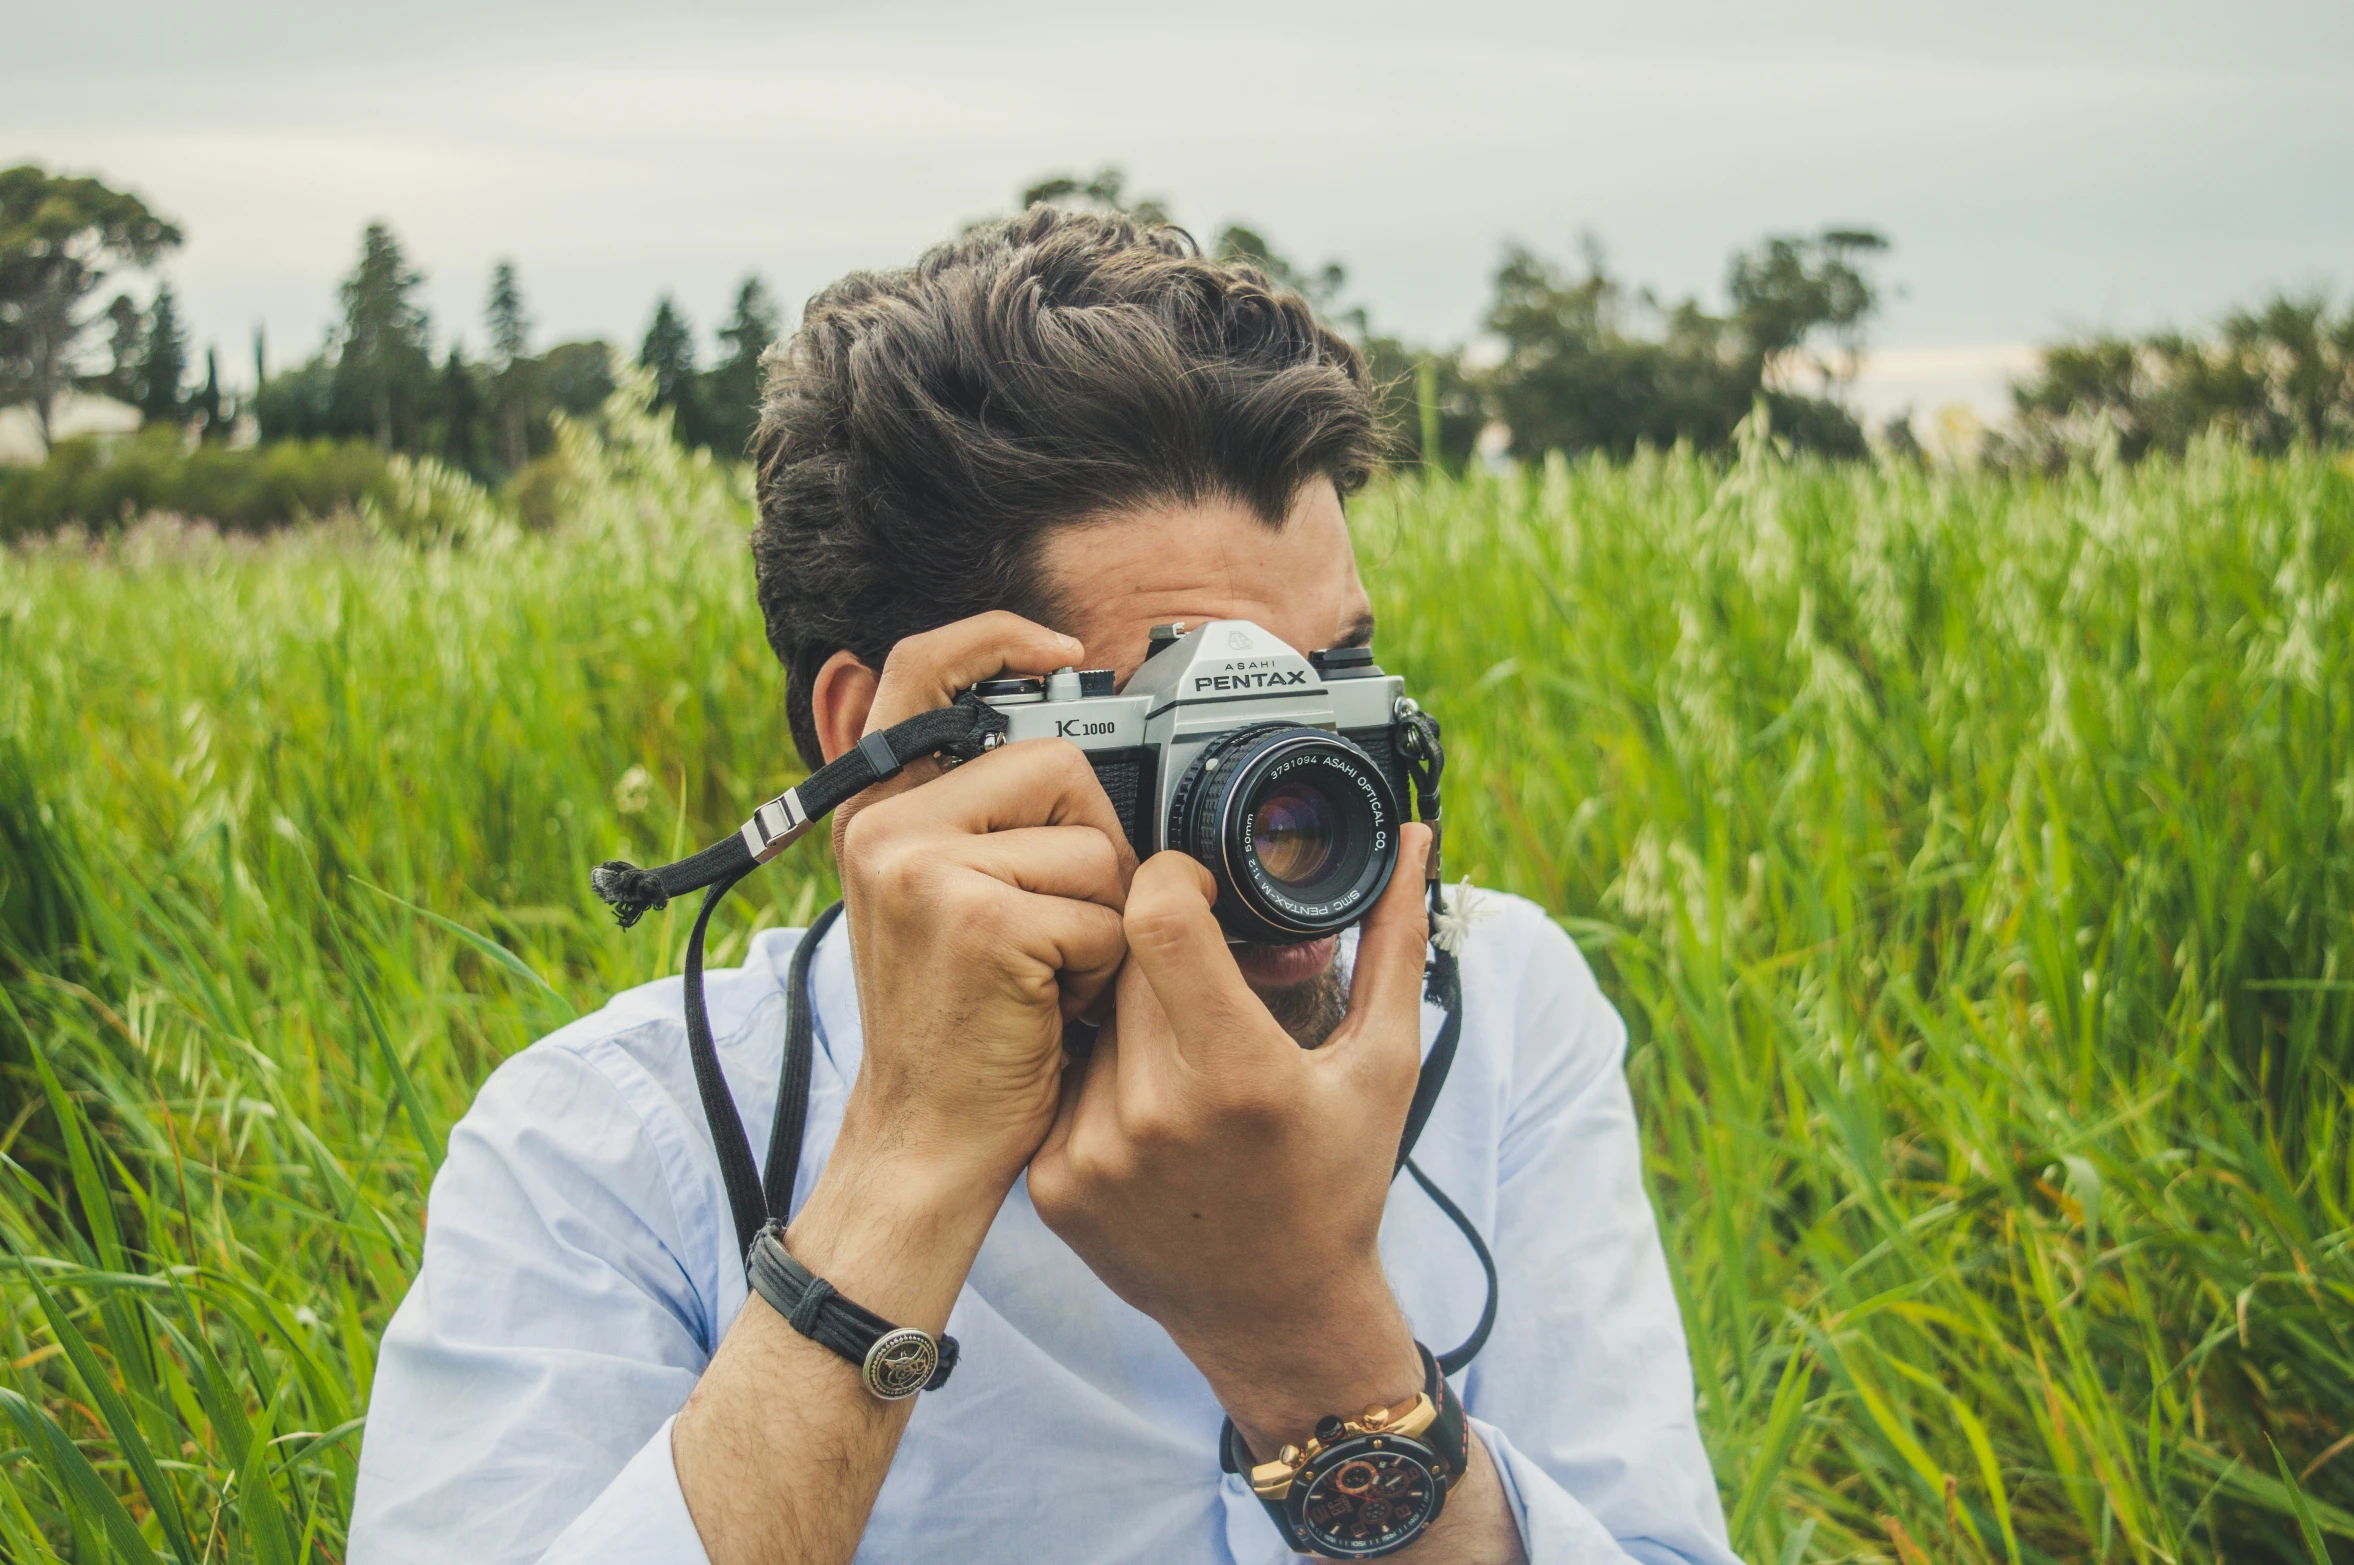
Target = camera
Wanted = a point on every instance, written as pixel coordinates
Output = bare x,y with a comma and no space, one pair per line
1281,774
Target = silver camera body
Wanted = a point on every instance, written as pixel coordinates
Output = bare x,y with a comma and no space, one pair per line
1281,773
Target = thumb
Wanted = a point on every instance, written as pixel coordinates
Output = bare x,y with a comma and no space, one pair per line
1176,942
1394,942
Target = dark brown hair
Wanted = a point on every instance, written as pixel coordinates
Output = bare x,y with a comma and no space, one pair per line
923,427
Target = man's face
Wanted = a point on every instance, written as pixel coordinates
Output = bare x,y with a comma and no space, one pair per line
1116,578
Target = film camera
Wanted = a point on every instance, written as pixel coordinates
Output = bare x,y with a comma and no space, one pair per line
1284,775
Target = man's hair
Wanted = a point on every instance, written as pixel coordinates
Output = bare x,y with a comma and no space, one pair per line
924,426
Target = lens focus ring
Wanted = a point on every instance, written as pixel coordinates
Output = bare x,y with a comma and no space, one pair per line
1297,825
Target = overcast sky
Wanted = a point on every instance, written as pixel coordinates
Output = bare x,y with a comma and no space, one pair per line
2040,166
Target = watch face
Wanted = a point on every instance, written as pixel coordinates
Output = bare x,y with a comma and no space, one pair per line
1367,1497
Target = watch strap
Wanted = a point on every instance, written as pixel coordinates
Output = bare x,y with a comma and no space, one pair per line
887,1355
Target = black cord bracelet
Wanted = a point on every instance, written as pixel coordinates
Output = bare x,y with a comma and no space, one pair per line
896,1362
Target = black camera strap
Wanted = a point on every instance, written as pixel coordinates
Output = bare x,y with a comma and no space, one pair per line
958,732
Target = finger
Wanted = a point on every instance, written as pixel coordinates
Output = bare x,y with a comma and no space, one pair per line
1037,782
1078,946
1053,861
926,671
1176,941
1393,945
1146,1065
1081,1115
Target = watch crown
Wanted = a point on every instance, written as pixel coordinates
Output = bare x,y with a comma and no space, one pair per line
1328,1428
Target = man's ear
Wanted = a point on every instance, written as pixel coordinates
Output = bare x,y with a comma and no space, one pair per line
839,699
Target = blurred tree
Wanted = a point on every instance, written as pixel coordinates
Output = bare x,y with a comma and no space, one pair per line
126,336
1589,366
299,404
511,378
383,351
214,414
1791,289
61,237
458,413
731,390
1430,408
1106,190
1321,287
668,354
577,376
2276,376
164,364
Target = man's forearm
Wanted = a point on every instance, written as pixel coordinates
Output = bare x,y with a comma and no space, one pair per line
781,1449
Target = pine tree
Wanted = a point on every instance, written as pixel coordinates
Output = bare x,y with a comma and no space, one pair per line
126,343
668,353
731,391
212,414
384,363
164,366
461,412
510,347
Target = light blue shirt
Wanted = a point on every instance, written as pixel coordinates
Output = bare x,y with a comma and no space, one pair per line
580,1269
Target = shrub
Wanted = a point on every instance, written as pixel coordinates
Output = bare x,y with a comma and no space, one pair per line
102,485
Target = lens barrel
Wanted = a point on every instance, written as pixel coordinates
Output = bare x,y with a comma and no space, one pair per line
1297,825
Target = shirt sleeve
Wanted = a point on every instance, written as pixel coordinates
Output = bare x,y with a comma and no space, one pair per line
641,1516
525,1385
1585,1401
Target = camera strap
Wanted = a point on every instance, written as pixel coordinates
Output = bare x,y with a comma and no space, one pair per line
959,732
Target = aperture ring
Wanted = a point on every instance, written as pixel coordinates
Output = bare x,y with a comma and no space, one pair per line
1214,814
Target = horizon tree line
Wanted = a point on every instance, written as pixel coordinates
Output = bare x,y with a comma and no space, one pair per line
1579,361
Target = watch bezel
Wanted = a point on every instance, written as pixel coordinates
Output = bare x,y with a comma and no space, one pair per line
1339,1454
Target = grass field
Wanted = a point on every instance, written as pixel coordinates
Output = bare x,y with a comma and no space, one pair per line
1973,859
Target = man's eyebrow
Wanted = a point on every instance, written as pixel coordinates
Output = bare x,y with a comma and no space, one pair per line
1359,633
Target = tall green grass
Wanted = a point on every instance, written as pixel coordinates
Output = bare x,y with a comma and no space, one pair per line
1973,859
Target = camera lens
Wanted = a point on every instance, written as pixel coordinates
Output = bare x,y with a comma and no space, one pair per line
1297,825
1295,832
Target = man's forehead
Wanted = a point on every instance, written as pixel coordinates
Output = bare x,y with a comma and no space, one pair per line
1116,578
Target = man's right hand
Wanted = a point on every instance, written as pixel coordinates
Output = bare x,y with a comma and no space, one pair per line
984,910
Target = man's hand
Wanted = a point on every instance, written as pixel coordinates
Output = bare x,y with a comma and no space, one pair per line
982,913
1228,1182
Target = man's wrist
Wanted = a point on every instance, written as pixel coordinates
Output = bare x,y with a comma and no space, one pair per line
895,1227
1349,1351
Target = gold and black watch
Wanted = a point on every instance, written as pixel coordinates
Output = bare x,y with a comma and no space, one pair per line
1366,1486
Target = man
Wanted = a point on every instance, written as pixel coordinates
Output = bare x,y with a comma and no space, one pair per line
1021,455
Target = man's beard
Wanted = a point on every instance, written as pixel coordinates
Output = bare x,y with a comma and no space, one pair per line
1310,1009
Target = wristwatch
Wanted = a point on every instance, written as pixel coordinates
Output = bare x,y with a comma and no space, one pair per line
1365,1486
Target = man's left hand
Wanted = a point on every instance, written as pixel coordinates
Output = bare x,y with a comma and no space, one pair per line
1228,1182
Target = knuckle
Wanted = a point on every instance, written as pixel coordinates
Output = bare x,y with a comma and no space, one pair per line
868,831
897,872
1156,920
1052,1190
1100,860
